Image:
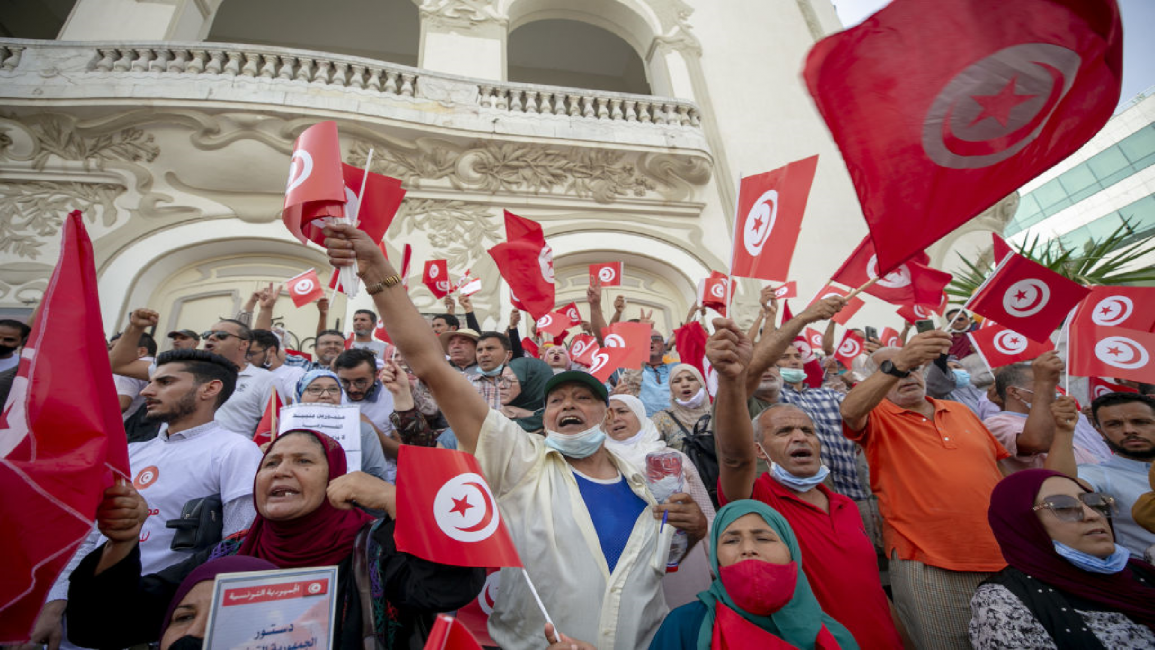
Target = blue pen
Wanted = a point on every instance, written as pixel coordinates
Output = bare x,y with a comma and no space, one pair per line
665,516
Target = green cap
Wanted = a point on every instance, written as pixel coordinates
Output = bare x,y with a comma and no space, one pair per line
578,377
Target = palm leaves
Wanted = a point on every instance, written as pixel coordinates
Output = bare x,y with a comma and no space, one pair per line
1095,263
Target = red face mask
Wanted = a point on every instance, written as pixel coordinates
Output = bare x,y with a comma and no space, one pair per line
758,587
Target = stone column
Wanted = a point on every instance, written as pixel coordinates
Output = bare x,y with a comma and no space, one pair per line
139,20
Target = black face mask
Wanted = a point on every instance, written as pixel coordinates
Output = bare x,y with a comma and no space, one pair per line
6,350
187,643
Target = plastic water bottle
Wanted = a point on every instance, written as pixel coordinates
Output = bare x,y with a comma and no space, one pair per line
664,476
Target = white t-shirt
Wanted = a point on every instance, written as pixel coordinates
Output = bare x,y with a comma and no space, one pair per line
244,408
131,387
378,347
378,413
286,378
10,362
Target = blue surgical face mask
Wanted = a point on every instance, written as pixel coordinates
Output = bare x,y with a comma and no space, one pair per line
797,483
792,375
576,445
962,378
492,373
1113,563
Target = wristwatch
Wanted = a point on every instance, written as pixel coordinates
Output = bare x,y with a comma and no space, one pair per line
889,368
378,287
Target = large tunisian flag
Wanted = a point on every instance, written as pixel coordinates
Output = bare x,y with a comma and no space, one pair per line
526,263
61,437
998,93
770,209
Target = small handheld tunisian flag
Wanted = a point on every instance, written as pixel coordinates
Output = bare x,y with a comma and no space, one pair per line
770,209
526,263
305,288
267,427
609,274
1112,352
849,349
61,437
448,633
316,188
889,338
553,323
846,313
1099,387
690,339
813,337
1027,297
448,514
999,247
633,336
581,348
572,312
1129,307
530,347
914,313
383,196
998,93
436,277
608,359
713,292
910,283
788,290
999,346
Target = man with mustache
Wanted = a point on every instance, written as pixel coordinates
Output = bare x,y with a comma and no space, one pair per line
933,466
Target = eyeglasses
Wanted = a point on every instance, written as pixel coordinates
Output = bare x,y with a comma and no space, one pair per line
220,335
1068,508
503,382
318,390
357,383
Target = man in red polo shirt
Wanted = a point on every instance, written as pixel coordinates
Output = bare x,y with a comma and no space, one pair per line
837,556
933,466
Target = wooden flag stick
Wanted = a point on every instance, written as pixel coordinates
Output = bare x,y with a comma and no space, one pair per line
864,287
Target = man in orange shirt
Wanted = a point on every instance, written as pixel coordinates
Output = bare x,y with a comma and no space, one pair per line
933,466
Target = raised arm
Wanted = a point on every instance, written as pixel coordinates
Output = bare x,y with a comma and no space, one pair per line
267,298
594,298
729,350
771,346
1039,429
619,309
322,315
462,406
1061,456
122,356
868,393
470,318
828,339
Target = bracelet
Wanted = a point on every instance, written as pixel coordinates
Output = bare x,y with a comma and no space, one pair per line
378,287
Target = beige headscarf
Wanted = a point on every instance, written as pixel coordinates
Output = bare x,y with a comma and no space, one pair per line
689,415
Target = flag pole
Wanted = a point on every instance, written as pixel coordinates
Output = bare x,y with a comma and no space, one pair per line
348,274
864,287
733,246
540,605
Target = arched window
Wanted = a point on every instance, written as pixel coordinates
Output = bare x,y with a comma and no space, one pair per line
385,30
576,55
33,18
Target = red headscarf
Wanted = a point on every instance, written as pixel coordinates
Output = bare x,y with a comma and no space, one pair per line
1027,547
322,537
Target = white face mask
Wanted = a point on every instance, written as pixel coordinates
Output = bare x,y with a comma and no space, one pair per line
576,445
694,402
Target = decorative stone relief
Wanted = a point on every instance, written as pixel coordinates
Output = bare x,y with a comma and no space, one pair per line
675,18
33,212
56,135
459,232
460,13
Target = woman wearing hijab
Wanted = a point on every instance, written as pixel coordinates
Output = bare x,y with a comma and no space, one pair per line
188,613
321,386
525,408
630,435
1067,584
689,405
761,598
307,516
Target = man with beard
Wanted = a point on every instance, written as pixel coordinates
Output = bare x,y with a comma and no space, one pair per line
364,322
191,458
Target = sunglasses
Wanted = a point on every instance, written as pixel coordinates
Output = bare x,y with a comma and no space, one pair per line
1068,508
220,335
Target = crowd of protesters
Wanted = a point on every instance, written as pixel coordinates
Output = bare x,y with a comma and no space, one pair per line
914,499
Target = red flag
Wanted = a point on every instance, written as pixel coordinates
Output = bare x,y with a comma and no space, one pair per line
690,340
1130,307
770,209
608,359
1099,387
448,633
572,313
526,263
468,285
1000,346
581,349
1112,352
383,196
475,615
1027,297
609,273
913,313
406,258
448,513
349,339
530,348
316,188
847,312
849,349
912,282
999,247
713,292
267,427
297,353
380,334
306,287
813,337
997,93
788,290
553,323
889,338
61,436
436,277
633,336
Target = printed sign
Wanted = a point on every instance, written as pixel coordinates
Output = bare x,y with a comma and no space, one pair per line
293,609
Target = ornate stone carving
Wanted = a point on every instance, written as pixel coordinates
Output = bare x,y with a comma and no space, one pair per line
33,211
458,231
461,13
675,19
56,135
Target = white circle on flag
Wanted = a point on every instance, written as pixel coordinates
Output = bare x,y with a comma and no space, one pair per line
300,168
759,222
434,271
1100,391
579,347
600,359
545,261
717,290
488,596
921,312
804,350
781,291
896,279
302,287
1122,352
998,105
607,274
314,588
1026,297
465,510
1009,343
443,285
850,348
615,341
816,341
1112,310
545,321
573,315
892,342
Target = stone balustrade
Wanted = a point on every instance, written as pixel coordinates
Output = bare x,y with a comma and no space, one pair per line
297,68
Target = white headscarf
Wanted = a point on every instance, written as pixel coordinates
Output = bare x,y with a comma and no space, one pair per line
648,439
